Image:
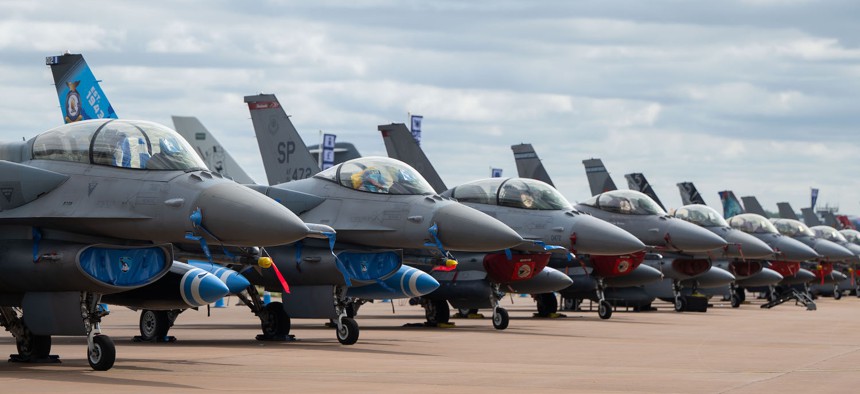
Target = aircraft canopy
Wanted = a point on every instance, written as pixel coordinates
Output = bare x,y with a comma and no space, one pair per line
752,223
628,202
702,215
851,235
378,175
828,233
511,192
118,143
791,227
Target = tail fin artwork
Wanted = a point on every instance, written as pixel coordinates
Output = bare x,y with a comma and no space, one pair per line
636,181
528,163
731,205
80,95
689,194
400,145
811,219
598,178
214,155
285,156
752,205
786,212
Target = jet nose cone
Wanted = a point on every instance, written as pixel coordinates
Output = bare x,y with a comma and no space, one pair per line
689,237
832,250
416,283
792,250
465,229
199,288
239,216
715,277
765,277
746,246
595,236
854,249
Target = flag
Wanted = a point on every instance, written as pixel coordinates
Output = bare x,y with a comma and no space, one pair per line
416,128
496,172
814,197
328,150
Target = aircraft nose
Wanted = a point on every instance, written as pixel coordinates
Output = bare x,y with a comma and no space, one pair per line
744,245
692,238
715,277
793,250
199,288
239,216
854,249
765,277
595,236
832,250
465,229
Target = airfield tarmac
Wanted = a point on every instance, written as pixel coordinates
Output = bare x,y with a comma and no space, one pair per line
746,350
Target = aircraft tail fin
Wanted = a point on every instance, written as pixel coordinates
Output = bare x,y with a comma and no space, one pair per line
843,221
213,153
528,163
785,211
636,181
80,95
400,145
810,218
731,205
752,205
598,178
689,194
285,155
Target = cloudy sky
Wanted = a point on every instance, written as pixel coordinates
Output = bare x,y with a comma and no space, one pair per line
758,96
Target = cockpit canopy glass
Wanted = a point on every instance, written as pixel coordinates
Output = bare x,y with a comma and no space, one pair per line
851,235
118,143
792,228
752,224
378,175
625,201
701,215
511,192
828,233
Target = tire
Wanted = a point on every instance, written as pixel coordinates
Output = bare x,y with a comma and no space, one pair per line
347,332
437,312
275,322
680,304
34,347
103,354
154,324
837,294
741,294
568,304
466,312
736,301
500,318
547,304
604,310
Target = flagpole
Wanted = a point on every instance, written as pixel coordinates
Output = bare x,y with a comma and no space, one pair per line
320,151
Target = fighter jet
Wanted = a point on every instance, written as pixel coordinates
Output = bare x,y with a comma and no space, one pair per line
790,253
91,208
536,210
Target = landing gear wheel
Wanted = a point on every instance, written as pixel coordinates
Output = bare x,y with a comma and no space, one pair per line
837,294
736,301
680,304
154,324
347,331
103,354
34,347
500,318
437,312
274,321
604,310
466,312
568,304
547,304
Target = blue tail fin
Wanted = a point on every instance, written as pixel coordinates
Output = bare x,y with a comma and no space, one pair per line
731,205
79,92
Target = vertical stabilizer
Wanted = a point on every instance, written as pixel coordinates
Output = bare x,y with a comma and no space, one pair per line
731,205
402,146
811,219
598,178
785,211
80,95
689,194
528,163
752,205
636,181
214,155
285,156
